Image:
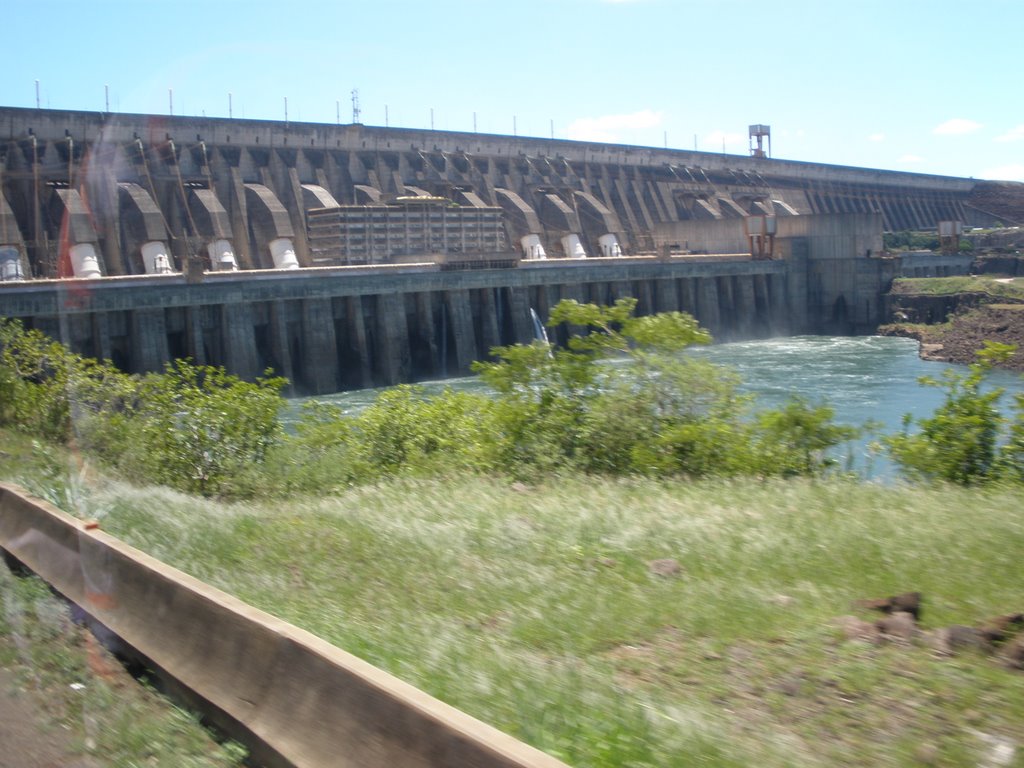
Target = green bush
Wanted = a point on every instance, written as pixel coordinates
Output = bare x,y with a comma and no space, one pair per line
404,431
196,427
35,375
619,399
651,412
960,442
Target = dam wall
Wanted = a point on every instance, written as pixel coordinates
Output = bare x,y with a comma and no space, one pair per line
130,194
346,256
347,328
335,328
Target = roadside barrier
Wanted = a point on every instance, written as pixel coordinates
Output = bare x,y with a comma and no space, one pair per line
293,698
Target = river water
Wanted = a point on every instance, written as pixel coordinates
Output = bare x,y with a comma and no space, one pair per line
863,378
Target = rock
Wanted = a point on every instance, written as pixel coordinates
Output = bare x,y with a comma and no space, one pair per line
908,602
791,686
665,567
853,628
899,625
1000,751
1002,628
926,754
952,640
881,604
933,352
1012,654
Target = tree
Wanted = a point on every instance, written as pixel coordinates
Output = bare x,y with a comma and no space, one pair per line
622,399
958,443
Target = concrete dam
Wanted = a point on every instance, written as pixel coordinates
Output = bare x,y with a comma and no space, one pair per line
345,256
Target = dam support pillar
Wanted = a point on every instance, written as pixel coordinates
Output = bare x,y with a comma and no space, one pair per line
644,297
101,335
194,335
519,311
238,341
688,297
490,329
279,347
763,320
149,340
424,352
666,295
726,309
707,304
319,368
358,344
745,307
778,305
797,295
621,290
392,351
460,328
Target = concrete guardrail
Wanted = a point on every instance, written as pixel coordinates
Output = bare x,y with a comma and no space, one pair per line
294,698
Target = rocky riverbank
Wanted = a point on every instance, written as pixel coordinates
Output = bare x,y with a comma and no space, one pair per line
958,339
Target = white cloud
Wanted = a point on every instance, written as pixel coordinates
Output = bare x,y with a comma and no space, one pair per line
876,137
610,128
1014,134
716,139
958,126
1012,172
911,159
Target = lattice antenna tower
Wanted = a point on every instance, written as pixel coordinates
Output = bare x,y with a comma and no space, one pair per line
355,105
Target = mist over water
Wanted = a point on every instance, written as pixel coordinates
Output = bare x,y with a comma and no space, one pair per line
863,378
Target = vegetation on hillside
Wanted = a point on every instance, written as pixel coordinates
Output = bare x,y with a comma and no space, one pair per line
618,400
918,241
948,286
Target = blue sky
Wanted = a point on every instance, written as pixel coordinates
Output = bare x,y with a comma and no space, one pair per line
915,85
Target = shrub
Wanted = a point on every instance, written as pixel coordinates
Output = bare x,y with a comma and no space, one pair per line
196,427
959,443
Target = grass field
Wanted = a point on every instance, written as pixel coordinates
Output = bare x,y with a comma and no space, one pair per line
535,608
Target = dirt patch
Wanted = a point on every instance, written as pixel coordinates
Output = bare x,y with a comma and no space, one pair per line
29,735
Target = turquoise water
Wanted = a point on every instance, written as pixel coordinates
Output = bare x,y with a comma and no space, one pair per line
863,378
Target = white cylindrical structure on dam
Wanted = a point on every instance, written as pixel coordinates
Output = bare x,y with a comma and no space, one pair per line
10,264
156,259
283,253
573,247
84,261
222,256
532,247
609,245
